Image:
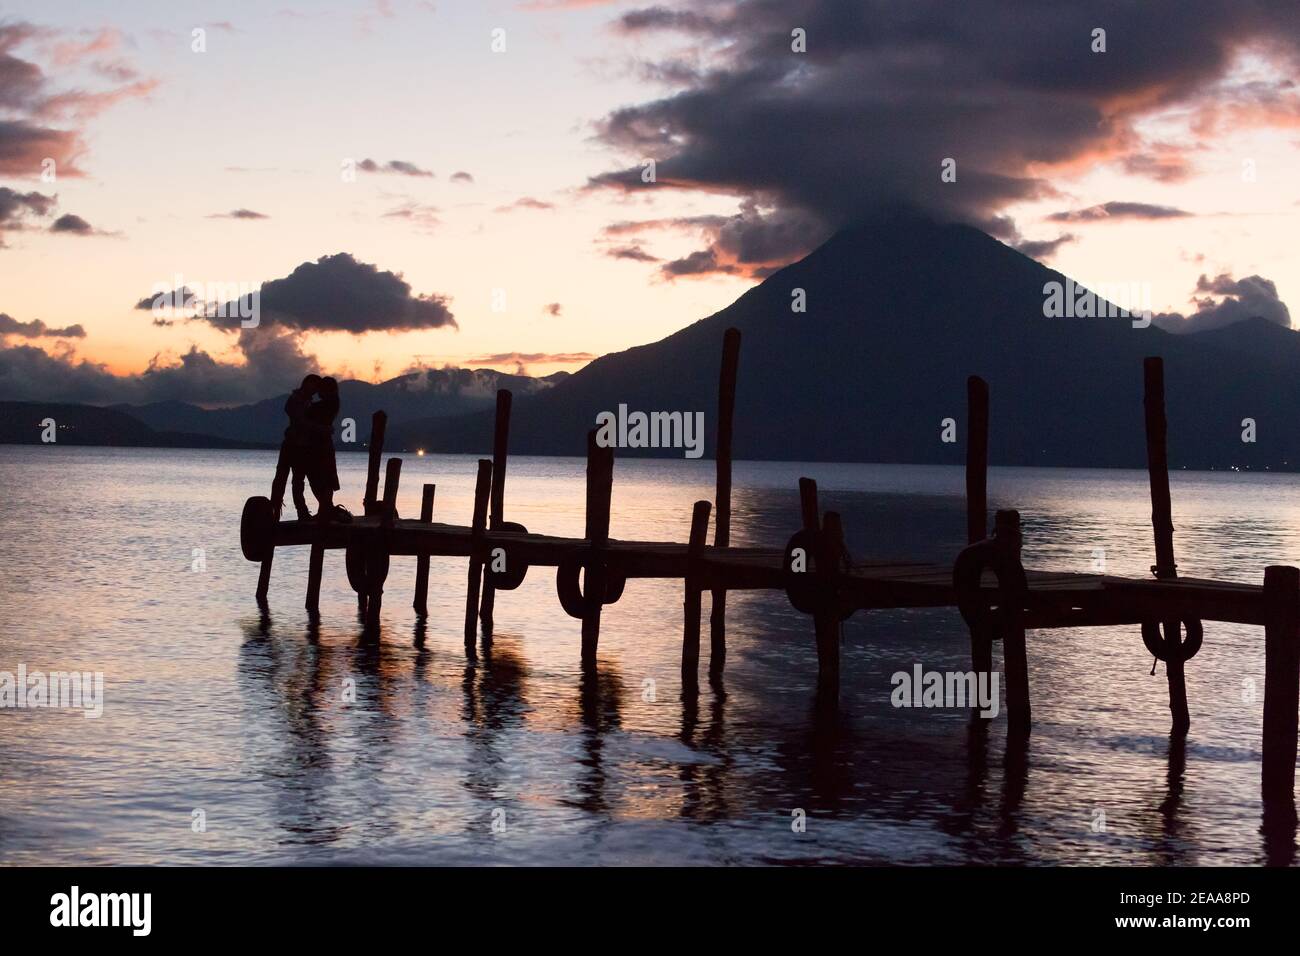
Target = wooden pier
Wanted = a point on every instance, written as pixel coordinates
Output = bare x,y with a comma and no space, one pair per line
999,599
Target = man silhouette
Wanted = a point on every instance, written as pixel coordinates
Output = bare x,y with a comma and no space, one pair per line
298,441
321,467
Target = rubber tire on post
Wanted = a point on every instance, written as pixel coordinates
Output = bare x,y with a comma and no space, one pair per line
355,563
1155,641
365,573
516,568
257,528
807,590
968,571
575,603
801,586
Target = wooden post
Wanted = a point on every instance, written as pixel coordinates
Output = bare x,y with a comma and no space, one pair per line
691,626
421,602
722,518
482,488
827,619
264,576
277,504
315,566
808,505
600,481
375,597
977,505
1281,681
500,445
977,459
1015,661
1162,524
378,425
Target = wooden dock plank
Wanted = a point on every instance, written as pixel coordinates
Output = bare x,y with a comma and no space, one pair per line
1056,598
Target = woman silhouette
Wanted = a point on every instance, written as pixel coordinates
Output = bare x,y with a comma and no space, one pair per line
297,439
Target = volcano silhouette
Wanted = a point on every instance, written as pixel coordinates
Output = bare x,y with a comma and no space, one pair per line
899,312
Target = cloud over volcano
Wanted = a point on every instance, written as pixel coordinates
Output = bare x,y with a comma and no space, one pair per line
885,92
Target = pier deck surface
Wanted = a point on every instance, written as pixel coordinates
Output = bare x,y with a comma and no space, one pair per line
1056,599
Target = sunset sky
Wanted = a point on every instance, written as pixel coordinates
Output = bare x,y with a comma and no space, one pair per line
1171,156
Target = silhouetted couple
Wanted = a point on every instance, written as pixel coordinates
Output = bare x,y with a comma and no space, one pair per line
309,445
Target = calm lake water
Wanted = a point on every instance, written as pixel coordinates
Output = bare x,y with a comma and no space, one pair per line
213,707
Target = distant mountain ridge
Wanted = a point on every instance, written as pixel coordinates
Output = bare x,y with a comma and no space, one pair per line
23,423
899,312
424,394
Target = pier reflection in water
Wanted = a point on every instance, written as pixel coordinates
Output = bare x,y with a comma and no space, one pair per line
309,741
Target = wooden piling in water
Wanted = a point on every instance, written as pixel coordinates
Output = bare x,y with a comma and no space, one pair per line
379,545
378,425
722,516
977,459
500,446
1015,661
482,489
315,567
1162,524
808,513
977,505
827,619
264,577
691,625
278,484
1281,682
825,625
421,602
600,483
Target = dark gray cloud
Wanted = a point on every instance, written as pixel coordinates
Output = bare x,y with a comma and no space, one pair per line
398,166
750,243
175,299
18,208
526,202
1043,248
239,214
1225,301
73,225
273,362
333,294
700,262
338,293
885,92
36,329
631,253
460,176
421,215
521,360
1119,210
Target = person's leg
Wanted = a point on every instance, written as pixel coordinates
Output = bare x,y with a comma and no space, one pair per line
299,500
324,495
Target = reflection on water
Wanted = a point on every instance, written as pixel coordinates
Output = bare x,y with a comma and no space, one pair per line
308,740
